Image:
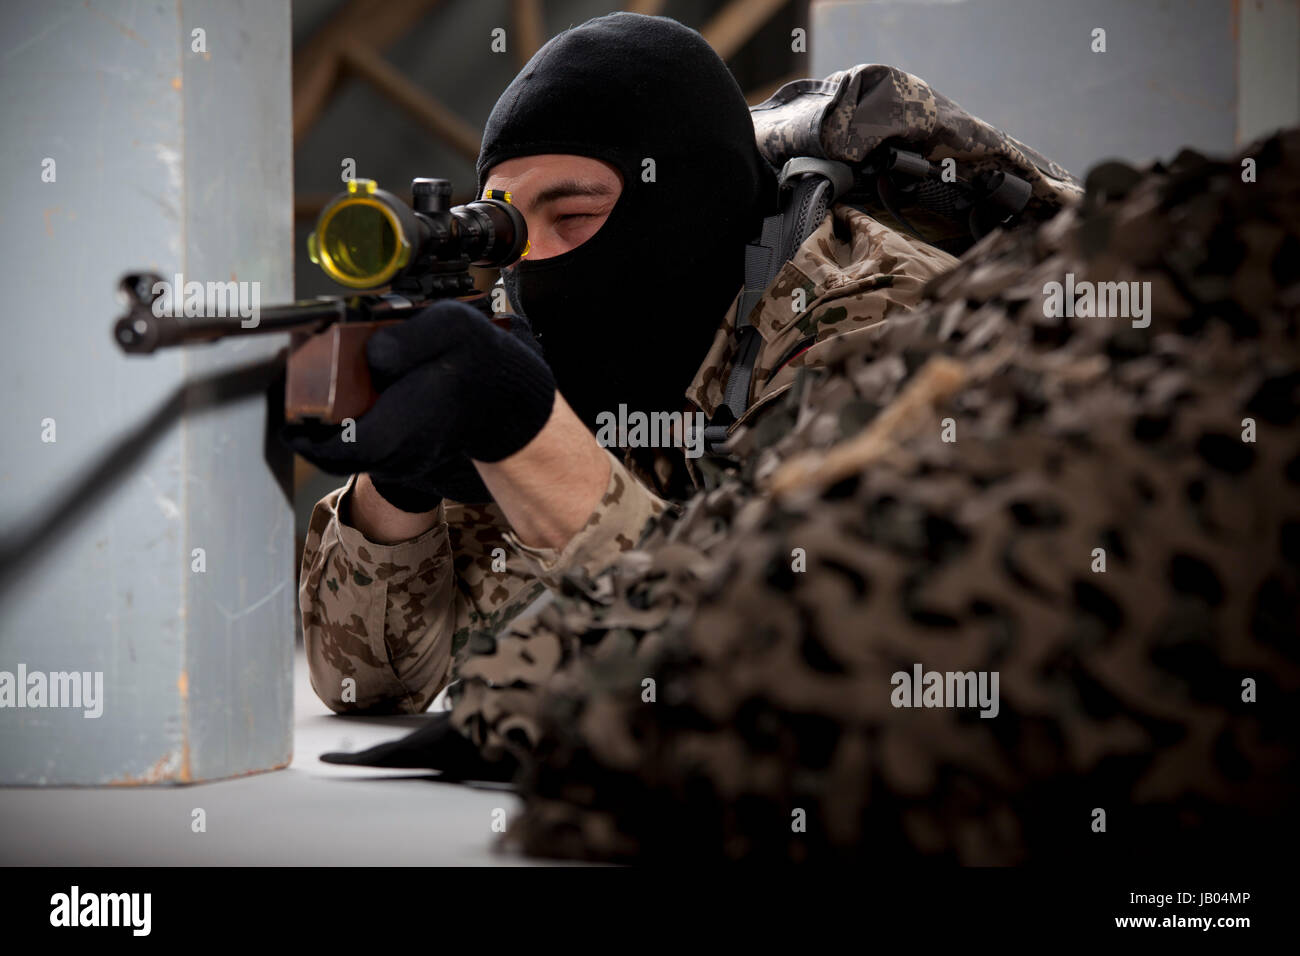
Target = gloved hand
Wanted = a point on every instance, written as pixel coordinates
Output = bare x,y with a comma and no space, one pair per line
452,386
456,479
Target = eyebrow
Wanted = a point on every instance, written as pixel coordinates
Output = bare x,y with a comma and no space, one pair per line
570,187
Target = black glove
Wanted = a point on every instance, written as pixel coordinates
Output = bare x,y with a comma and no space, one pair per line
437,745
456,479
452,386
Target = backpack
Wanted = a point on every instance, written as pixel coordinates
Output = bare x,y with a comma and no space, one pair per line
885,142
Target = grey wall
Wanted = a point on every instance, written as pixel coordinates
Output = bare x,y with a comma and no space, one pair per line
167,160
1268,78
1171,76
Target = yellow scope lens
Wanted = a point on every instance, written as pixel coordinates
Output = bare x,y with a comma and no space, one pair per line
360,243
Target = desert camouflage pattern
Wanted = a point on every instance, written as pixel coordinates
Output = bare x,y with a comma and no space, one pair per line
815,298
400,620
850,113
386,626
814,302
853,274
712,700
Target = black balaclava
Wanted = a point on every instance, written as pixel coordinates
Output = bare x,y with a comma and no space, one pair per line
628,316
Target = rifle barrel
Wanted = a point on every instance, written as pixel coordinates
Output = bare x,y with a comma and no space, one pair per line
142,332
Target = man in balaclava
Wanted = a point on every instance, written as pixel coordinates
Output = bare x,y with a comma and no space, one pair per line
628,315
629,149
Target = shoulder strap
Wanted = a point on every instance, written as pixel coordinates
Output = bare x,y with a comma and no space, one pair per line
808,187
894,178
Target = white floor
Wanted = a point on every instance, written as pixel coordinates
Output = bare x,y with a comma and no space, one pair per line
310,813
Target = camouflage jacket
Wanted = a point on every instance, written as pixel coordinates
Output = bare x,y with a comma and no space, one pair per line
386,626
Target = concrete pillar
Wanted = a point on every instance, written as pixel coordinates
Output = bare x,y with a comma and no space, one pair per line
133,142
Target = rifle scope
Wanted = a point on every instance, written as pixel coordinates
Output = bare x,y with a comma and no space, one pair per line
366,237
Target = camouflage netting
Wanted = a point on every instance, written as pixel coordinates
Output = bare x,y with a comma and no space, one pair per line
1120,690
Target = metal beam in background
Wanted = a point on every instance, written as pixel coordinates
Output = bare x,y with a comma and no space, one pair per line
651,8
530,32
316,66
735,24
759,94
425,108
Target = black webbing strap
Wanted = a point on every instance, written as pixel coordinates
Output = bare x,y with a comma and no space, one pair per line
762,262
1003,198
802,210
